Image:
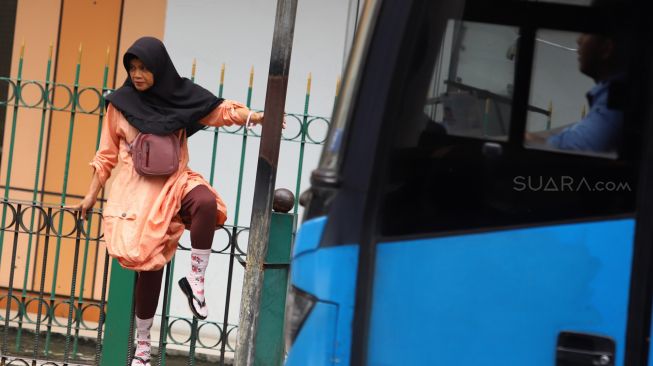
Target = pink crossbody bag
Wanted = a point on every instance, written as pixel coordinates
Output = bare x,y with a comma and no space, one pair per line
156,155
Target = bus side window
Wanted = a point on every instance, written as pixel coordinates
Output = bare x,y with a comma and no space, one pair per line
458,166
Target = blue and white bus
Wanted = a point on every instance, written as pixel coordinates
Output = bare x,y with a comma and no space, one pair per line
485,196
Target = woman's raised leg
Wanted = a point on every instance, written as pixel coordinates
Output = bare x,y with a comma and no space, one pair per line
199,209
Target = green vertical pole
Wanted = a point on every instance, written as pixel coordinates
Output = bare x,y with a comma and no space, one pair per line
243,151
71,125
71,299
302,145
212,175
216,130
234,232
89,222
37,175
11,143
119,309
269,348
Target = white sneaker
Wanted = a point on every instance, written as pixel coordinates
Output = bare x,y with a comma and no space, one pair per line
137,361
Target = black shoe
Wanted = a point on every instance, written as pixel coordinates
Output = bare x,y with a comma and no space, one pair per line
188,291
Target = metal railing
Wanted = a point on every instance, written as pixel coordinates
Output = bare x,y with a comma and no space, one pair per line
39,308
57,313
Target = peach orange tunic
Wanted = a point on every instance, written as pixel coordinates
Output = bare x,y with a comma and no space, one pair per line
141,218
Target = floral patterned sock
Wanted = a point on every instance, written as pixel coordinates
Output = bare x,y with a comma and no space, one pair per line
143,342
199,261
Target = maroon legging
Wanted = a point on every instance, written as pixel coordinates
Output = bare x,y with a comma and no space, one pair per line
199,211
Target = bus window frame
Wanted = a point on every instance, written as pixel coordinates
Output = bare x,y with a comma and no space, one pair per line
537,16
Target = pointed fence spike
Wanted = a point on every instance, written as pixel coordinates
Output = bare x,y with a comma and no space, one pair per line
308,84
79,55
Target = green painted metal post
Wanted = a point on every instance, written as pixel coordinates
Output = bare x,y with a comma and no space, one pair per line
269,348
119,310
302,145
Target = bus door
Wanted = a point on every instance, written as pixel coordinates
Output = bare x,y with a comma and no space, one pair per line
508,213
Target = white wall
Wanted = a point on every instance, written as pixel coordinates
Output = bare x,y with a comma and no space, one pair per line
239,34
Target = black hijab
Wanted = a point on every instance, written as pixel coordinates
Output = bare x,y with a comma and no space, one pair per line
171,104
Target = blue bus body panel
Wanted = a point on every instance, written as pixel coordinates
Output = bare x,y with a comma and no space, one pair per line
329,274
309,236
314,344
500,298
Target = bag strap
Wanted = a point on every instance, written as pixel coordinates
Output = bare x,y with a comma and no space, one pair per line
183,135
130,146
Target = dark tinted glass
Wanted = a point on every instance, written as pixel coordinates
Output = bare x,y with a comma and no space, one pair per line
458,166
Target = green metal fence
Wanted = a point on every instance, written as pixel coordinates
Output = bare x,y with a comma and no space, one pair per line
65,326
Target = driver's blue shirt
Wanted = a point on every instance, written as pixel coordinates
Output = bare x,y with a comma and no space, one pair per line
598,131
